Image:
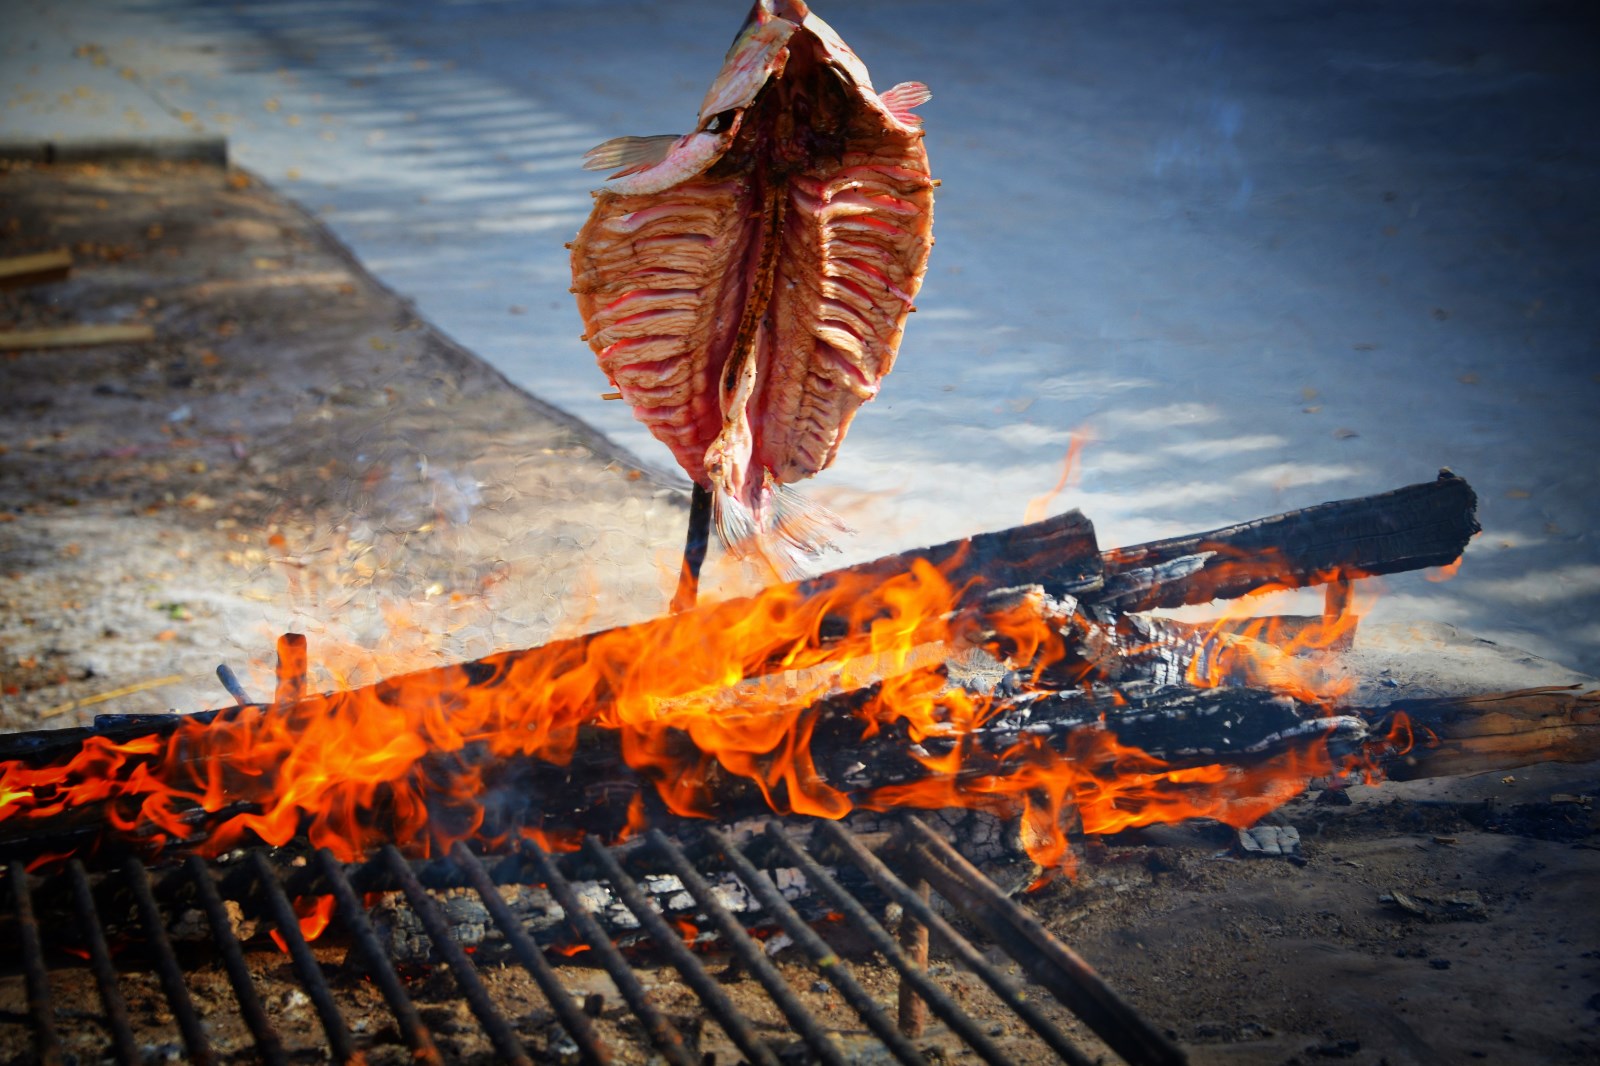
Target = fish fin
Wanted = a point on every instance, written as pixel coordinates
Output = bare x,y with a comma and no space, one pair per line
903,97
632,154
734,522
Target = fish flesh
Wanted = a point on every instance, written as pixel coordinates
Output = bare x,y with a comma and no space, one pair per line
745,286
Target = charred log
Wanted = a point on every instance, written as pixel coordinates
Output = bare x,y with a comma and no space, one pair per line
1408,529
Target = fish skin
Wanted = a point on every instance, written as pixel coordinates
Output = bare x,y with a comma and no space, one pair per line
746,286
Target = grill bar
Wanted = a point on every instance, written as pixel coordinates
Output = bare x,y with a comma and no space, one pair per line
663,1034
959,946
354,916
305,963
105,975
747,951
1051,962
46,1042
577,1024
694,974
826,960
884,944
505,1040
166,966
255,1016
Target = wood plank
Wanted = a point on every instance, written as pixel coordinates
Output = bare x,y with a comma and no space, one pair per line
20,270
76,336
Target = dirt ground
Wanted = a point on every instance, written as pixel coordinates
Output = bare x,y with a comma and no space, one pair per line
295,451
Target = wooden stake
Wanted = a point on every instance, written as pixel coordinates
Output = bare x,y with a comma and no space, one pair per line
694,550
913,1013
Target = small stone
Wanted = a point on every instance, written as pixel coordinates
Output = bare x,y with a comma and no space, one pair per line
1439,964
1335,1049
1270,841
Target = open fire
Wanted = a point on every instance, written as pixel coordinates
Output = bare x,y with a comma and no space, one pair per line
726,698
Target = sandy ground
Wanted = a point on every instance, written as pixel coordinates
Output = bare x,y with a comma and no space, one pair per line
297,450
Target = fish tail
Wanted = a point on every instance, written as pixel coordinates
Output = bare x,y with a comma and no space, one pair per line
777,526
804,525
735,522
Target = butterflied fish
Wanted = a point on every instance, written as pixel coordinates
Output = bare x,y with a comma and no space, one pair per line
745,285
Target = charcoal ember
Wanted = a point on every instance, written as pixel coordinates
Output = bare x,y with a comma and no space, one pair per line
984,838
402,933
191,926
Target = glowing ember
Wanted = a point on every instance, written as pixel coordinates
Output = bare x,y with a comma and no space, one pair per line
314,912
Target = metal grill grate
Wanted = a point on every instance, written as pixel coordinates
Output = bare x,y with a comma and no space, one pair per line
920,853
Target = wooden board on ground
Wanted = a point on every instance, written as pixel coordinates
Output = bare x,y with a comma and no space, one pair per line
76,336
19,270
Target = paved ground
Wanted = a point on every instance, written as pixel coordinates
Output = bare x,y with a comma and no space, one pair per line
1263,255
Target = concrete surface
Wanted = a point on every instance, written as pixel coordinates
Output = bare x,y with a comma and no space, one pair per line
1260,254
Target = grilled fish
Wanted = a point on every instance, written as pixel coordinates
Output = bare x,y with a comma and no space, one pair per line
745,286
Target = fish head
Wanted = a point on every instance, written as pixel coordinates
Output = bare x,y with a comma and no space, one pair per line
756,56
763,48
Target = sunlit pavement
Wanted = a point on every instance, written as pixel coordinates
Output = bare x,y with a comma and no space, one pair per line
1260,255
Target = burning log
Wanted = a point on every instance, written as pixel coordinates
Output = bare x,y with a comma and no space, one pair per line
1408,529
1498,731
845,703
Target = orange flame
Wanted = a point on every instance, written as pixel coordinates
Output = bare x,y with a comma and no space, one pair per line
1445,572
1248,646
727,691
314,912
1039,506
